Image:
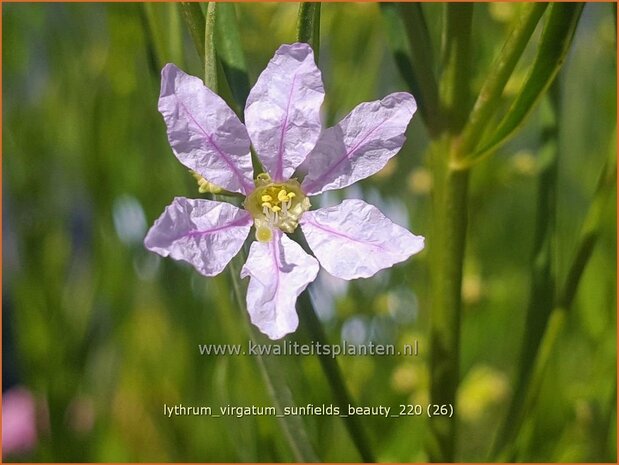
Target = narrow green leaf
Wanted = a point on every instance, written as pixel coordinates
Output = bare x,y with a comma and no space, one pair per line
499,73
175,37
543,278
210,53
292,425
194,19
555,43
156,33
342,397
308,25
230,53
396,36
529,381
422,62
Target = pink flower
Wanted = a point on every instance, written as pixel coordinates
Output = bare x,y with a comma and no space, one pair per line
19,422
282,121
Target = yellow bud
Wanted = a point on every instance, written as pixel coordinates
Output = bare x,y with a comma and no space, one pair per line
263,234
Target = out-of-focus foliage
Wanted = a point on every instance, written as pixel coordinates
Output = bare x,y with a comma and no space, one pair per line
104,333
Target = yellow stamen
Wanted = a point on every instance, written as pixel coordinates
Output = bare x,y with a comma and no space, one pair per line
266,198
291,195
276,209
267,205
282,195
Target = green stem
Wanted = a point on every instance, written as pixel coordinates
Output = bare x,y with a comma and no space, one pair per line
454,87
210,54
449,204
500,72
308,25
447,253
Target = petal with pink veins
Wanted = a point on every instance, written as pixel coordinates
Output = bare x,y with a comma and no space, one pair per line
282,113
204,233
279,271
359,145
205,134
355,240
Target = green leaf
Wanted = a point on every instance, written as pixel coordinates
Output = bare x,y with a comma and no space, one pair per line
194,19
555,43
230,53
274,378
500,72
411,46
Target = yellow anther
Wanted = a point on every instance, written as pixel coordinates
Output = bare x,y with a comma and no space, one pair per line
282,195
266,198
276,209
267,204
291,195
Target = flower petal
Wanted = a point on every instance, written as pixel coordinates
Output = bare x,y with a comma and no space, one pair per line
360,144
279,271
282,113
204,233
355,240
204,132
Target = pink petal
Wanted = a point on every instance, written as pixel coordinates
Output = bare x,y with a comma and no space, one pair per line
204,233
355,240
360,144
204,132
282,113
279,271
19,429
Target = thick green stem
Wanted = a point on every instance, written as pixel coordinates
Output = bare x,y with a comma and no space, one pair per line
449,205
455,86
447,253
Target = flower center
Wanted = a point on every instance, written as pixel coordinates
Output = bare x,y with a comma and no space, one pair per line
275,205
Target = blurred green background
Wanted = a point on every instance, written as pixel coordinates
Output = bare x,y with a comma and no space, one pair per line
103,333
